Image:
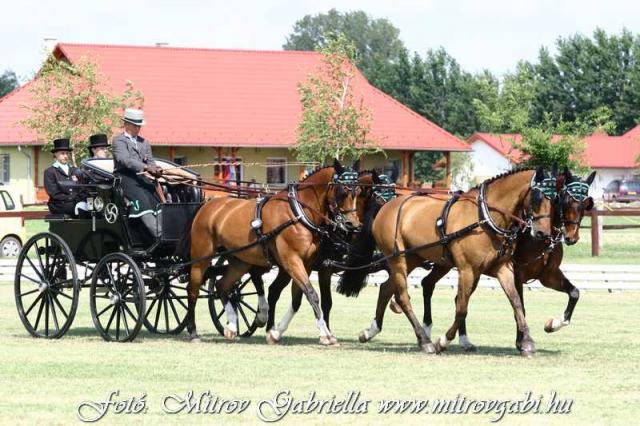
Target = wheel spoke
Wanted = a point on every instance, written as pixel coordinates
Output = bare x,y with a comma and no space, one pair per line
46,316
244,317
35,269
244,283
249,294
179,299
53,311
60,293
126,308
126,324
30,279
113,314
29,292
249,307
57,302
42,268
158,315
33,304
175,312
118,322
153,302
103,311
166,314
39,313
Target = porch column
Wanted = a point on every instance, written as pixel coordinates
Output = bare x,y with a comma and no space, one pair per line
36,166
219,161
447,178
407,173
172,153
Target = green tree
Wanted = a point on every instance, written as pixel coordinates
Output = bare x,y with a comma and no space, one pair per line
333,123
376,41
8,82
70,100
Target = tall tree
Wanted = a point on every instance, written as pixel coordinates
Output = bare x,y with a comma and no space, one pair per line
334,124
376,40
8,82
70,100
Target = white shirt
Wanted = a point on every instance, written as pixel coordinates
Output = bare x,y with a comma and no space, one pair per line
132,139
63,167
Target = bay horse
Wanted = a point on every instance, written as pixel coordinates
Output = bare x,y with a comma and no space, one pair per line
367,180
534,259
292,220
488,214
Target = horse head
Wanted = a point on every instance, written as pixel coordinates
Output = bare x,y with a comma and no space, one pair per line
574,201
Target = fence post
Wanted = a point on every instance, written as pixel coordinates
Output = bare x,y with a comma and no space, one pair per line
595,233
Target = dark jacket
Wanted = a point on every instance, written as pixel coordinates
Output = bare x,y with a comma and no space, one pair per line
61,200
128,157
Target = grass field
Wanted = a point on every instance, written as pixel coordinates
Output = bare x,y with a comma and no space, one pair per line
594,362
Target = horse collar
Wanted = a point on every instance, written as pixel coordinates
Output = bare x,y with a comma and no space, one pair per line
485,216
298,211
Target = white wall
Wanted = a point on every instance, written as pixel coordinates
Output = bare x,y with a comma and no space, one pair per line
604,176
487,162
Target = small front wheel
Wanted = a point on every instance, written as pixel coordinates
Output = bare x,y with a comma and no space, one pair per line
117,298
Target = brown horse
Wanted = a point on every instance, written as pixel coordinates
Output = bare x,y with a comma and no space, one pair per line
293,222
534,259
366,180
404,230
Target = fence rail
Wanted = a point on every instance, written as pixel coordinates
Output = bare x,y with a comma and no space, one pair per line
585,277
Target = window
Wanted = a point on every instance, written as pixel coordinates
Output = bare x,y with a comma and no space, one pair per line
276,171
180,160
392,169
5,173
230,172
8,201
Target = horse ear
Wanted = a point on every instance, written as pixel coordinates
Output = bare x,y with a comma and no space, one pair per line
375,177
554,169
356,165
338,167
591,177
539,174
568,177
559,183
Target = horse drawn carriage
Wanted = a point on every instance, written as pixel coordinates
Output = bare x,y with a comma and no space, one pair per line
134,279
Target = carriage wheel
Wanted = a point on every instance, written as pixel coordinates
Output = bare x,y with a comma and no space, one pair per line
117,298
46,286
244,299
166,305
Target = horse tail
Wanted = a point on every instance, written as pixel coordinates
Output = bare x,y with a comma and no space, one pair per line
354,280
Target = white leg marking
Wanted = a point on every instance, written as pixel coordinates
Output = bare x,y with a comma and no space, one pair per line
465,343
427,329
558,323
371,332
286,320
444,342
322,326
232,317
263,309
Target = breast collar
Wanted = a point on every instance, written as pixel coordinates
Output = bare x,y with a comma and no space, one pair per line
485,216
298,210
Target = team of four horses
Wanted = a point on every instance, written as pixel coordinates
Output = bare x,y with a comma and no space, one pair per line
510,227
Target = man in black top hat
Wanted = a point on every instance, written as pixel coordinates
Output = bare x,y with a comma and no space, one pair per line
62,200
98,146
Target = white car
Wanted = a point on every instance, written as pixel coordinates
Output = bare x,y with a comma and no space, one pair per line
12,232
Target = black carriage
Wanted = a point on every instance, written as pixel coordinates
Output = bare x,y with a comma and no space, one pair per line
134,279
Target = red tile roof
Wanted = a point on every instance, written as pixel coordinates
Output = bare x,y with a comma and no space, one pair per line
219,97
601,150
503,143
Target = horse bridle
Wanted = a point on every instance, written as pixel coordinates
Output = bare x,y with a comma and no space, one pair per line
578,192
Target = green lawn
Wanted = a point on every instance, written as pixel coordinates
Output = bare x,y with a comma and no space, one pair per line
594,362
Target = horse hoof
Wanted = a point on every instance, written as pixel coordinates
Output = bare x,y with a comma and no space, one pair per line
229,334
469,348
395,308
260,322
273,338
329,341
439,348
362,337
429,349
526,354
195,339
548,326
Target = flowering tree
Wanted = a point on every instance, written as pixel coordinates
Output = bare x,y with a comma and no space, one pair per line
71,100
333,123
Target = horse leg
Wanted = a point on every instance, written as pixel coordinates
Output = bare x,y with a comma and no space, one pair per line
556,280
506,278
326,301
275,333
263,306
520,289
467,281
193,291
234,271
384,294
428,285
275,289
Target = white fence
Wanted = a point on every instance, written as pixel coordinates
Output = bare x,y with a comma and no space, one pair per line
585,277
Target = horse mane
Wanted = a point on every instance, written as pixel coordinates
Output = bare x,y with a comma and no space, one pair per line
317,169
505,174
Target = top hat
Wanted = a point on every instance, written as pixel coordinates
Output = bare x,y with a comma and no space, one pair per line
134,116
98,140
61,145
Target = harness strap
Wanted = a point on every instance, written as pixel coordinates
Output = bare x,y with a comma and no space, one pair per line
298,211
441,226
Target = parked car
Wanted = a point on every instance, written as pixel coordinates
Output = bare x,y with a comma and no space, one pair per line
12,232
622,191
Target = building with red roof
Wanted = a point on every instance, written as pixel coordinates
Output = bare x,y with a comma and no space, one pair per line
202,105
613,157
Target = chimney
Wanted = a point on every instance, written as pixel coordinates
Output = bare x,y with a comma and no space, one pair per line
48,44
